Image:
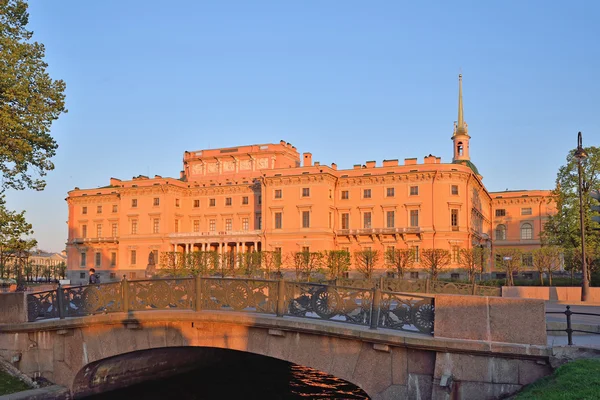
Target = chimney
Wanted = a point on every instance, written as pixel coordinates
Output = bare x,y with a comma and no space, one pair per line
390,163
282,142
410,161
181,174
334,166
317,163
115,182
370,164
307,159
356,166
430,159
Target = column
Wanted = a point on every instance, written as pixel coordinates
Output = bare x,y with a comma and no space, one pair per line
255,249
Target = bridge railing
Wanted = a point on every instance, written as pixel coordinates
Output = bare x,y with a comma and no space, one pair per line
368,307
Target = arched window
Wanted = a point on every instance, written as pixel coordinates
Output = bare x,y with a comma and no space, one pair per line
501,232
526,231
460,148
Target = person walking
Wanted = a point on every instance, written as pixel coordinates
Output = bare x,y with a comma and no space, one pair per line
94,278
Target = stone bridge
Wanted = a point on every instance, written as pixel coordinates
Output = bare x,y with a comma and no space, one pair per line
392,345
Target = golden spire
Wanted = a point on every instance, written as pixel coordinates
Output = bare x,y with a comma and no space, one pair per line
460,126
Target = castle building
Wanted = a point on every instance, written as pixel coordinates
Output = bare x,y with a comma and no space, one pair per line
270,198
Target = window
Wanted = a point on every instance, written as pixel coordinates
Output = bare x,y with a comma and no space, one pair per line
98,259
345,221
156,201
113,259
414,275
527,260
134,226
84,210
132,275
501,232
228,201
82,275
176,202
113,275
278,250
526,211
330,193
306,219
155,225
501,212
196,203
455,254
259,199
526,231
454,219
345,195
414,217
83,259
414,190
133,203
114,230
115,208
99,230
228,224
245,224
390,192
245,200
99,210
416,253
454,190
133,257
367,194
196,225
305,192
367,220
212,225
278,193
390,219
330,217
83,231
176,225
259,222
305,249
212,202
454,276
278,220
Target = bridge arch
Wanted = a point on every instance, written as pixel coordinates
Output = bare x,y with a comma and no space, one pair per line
178,372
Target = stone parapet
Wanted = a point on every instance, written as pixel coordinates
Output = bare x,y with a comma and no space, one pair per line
13,308
567,293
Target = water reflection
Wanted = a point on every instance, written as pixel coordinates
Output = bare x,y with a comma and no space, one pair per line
242,376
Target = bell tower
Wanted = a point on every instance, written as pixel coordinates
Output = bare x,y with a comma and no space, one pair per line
460,137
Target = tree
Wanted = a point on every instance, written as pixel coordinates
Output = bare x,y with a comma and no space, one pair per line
249,263
435,260
509,260
401,259
563,228
546,259
305,263
337,262
13,232
202,262
172,264
473,260
366,261
271,262
29,102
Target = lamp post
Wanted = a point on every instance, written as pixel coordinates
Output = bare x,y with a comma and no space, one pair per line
580,154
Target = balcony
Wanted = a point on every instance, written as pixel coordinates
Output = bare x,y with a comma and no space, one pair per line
95,240
378,231
215,234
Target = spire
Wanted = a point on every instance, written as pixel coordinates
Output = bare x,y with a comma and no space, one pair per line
460,126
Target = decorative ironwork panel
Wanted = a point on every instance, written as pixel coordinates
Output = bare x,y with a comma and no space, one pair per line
335,303
92,299
404,285
406,312
450,288
42,305
161,294
248,295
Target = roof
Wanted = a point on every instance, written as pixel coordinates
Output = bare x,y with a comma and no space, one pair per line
469,164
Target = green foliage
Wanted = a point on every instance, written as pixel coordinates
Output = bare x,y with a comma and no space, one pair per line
576,380
29,102
337,262
546,259
172,264
306,263
366,261
10,384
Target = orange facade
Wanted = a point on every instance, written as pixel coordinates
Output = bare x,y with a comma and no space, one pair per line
268,197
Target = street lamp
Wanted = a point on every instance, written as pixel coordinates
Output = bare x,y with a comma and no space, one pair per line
580,154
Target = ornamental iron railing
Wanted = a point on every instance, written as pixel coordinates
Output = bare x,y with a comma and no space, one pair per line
368,307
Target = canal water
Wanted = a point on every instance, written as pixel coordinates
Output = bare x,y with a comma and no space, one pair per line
246,376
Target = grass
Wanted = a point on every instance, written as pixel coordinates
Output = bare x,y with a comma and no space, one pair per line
576,380
10,384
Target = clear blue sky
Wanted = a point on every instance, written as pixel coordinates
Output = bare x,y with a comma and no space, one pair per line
349,81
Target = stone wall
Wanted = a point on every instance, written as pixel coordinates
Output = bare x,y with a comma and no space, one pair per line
13,308
550,293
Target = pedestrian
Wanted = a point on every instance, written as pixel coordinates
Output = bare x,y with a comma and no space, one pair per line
94,278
